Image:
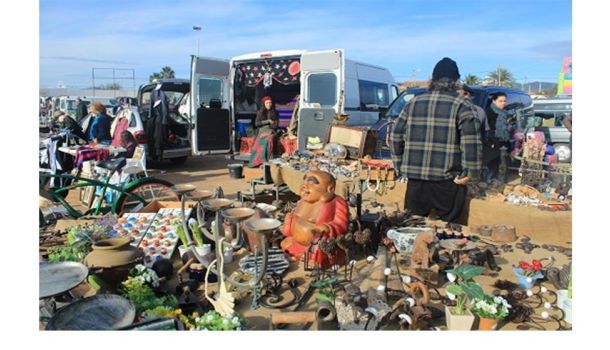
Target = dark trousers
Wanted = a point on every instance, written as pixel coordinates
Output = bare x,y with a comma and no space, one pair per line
491,161
445,197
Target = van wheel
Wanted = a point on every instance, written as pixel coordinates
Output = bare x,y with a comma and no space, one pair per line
178,160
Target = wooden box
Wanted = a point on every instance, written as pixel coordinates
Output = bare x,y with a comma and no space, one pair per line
359,141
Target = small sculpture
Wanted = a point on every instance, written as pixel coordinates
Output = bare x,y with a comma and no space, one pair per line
319,215
421,248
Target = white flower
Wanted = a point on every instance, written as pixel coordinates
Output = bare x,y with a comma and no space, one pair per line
451,277
498,300
225,322
387,271
210,318
450,296
235,320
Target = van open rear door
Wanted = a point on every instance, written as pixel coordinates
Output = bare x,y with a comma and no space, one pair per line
210,106
322,91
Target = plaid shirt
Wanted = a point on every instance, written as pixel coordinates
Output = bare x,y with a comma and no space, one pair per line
436,137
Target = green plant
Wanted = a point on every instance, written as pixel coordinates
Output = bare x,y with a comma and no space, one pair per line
182,235
87,234
491,307
197,235
213,321
62,253
143,297
463,287
326,289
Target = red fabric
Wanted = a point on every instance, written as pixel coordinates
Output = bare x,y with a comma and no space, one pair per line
288,146
121,125
334,214
246,144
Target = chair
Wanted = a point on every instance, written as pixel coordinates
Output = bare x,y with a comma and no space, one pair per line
265,180
137,163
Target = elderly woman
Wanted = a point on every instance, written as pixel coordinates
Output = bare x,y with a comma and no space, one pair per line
99,131
266,122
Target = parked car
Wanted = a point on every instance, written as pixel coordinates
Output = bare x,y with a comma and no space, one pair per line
518,102
67,104
548,118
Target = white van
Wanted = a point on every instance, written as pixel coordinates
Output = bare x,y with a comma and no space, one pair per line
225,95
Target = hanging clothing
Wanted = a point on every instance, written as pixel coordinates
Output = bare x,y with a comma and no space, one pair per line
156,124
120,125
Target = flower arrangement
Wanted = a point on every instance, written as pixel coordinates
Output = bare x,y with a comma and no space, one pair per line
213,321
145,275
530,270
492,307
164,311
462,287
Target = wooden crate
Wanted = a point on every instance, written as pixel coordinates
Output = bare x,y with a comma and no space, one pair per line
359,141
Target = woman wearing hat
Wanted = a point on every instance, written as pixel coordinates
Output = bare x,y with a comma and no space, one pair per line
266,123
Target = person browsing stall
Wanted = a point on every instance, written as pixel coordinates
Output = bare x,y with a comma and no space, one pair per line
99,131
436,145
498,135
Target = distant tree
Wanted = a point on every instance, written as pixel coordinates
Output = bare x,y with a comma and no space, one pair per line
113,86
500,77
471,79
166,73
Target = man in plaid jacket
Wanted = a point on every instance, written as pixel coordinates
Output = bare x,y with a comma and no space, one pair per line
436,145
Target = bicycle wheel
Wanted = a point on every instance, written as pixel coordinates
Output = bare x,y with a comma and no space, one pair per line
148,190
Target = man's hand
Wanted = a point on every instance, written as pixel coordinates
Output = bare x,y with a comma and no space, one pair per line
461,180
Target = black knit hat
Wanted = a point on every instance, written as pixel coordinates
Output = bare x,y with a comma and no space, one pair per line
446,68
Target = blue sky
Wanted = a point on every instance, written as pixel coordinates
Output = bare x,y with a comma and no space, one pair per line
529,38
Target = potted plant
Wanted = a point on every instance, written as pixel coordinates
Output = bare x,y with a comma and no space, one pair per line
528,273
213,321
490,310
462,289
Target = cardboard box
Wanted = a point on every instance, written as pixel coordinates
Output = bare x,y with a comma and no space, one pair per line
253,173
154,206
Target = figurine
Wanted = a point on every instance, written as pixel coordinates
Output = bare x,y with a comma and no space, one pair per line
421,250
319,215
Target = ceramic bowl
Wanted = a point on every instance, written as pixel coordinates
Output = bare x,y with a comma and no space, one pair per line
403,238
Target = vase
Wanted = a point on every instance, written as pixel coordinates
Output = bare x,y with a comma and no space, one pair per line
457,322
526,282
487,324
111,259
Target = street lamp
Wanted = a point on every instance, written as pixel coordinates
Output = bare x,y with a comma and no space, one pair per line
197,29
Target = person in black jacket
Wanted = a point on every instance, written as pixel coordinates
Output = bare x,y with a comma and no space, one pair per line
81,109
498,135
68,123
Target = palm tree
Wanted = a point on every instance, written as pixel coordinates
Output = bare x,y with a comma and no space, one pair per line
500,77
166,72
472,79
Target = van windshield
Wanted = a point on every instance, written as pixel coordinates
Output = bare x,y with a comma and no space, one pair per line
398,104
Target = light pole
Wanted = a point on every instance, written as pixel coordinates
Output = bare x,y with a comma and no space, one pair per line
197,29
